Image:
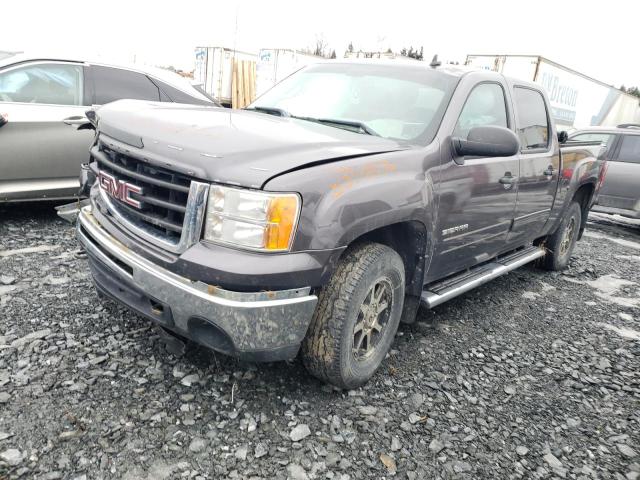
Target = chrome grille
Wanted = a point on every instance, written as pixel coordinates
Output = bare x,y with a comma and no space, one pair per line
171,204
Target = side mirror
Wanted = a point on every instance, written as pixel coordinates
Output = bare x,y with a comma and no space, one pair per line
563,136
486,141
92,121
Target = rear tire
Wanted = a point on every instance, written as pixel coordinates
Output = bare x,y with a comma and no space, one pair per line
357,316
561,243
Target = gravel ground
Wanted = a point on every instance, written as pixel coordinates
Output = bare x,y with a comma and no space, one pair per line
535,375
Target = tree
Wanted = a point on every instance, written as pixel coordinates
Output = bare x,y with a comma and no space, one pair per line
321,46
635,91
350,47
411,53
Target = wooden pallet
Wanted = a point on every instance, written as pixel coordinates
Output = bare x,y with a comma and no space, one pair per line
243,83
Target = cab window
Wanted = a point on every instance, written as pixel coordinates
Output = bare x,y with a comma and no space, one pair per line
52,84
629,149
532,120
485,106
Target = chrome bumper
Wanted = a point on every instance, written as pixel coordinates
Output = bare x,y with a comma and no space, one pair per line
254,325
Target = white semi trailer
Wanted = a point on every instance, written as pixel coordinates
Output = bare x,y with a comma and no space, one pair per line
214,70
577,100
274,64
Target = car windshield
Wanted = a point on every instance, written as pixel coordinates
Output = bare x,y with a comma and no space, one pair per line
401,102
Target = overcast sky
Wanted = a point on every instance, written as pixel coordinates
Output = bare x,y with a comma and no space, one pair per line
597,38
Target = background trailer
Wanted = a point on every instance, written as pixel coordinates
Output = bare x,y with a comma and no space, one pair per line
577,100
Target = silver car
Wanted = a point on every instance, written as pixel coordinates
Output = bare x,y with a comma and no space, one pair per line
43,101
620,193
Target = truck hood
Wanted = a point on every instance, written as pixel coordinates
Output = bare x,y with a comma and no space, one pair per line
230,146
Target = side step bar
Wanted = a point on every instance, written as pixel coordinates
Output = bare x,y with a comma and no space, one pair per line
440,292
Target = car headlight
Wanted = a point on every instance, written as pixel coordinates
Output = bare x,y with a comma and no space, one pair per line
251,219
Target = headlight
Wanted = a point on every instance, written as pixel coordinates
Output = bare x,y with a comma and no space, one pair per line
251,219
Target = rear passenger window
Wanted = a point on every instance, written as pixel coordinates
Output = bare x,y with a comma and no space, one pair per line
113,84
485,106
629,149
532,121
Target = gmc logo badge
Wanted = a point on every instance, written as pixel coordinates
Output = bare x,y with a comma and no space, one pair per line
119,189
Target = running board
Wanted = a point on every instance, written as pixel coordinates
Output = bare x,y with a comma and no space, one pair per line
440,292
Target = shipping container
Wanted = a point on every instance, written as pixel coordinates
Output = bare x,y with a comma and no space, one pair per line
274,64
214,70
577,100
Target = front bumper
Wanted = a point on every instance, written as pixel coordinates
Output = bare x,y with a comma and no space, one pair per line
254,326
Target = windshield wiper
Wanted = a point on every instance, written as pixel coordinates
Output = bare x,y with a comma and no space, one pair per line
338,123
271,111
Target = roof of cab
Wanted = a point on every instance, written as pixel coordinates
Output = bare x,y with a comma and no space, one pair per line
447,68
450,69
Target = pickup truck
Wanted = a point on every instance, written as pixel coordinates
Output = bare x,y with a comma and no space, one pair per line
325,213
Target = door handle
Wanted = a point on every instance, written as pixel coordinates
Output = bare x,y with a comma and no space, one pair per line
508,180
76,120
549,171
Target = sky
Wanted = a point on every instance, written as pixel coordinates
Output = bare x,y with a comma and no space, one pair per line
596,38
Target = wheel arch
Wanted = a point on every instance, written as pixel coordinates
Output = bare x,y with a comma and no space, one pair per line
584,195
410,240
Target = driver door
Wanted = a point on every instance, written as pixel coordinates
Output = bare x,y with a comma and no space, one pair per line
42,149
476,195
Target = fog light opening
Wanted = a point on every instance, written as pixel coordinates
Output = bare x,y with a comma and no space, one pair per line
210,335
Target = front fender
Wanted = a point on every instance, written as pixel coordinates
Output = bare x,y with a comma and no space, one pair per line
346,199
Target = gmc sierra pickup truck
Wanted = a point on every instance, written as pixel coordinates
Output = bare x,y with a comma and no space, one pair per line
325,213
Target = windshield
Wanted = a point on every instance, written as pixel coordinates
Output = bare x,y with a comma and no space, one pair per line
401,102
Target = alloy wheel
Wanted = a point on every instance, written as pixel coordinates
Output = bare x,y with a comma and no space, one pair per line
372,318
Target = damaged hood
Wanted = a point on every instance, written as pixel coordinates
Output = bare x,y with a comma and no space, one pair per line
230,146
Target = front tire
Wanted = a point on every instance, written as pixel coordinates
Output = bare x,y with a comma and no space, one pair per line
357,316
561,243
